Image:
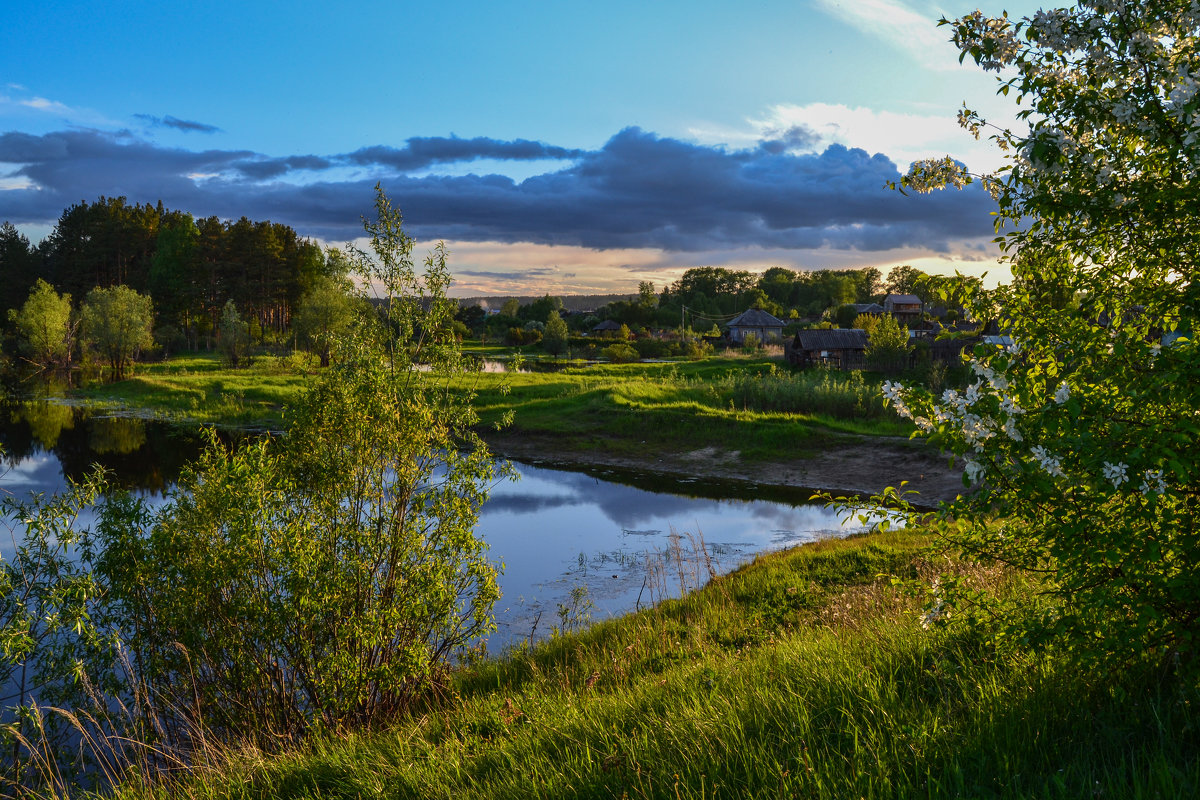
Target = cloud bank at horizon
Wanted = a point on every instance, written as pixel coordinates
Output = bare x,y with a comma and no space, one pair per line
639,190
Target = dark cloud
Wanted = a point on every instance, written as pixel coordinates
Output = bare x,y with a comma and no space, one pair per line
638,190
266,168
421,152
526,274
187,126
797,138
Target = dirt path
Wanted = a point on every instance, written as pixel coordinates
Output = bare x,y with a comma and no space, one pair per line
860,465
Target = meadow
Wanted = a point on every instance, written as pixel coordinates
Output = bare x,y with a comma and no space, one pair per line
757,405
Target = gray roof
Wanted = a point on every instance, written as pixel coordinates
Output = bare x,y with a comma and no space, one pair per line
607,325
868,308
833,339
755,318
902,298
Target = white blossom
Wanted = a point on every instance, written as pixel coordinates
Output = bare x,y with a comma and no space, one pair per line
1051,464
1062,394
1153,482
1115,473
973,469
1010,407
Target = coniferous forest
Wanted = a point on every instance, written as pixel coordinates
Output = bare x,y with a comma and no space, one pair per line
190,267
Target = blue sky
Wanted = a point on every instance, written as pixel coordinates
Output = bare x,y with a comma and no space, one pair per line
557,147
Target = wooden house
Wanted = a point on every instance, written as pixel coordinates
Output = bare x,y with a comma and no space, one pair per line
763,325
606,328
904,307
839,347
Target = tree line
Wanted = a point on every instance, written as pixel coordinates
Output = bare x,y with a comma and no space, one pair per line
191,267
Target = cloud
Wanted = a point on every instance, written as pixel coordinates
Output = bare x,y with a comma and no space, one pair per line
794,138
897,23
187,126
421,152
904,136
50,106
267,168
532,274
638,191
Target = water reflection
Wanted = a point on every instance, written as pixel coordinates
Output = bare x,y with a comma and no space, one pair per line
623,537
558,531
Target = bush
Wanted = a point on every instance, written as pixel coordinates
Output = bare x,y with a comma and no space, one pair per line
325,578
619,353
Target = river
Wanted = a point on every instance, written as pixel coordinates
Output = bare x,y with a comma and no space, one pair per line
575,545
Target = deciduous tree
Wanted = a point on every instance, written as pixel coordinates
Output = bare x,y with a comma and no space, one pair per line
45,326
118,323
1081,436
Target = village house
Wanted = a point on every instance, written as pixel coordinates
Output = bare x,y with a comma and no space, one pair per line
758,322
904,307
606,328
837,347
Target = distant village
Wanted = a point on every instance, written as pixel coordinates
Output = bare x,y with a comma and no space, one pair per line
844,319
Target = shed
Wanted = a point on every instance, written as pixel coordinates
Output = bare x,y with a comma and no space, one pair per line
838,347
763,325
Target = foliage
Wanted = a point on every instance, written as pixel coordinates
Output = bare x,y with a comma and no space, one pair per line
45,325
233,336
45,599
751,343
619,353
325,313
325,578
554,340
845,315
18,264
118,323
887,344
190,266
1081,436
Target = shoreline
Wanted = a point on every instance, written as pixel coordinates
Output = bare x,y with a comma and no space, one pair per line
856,466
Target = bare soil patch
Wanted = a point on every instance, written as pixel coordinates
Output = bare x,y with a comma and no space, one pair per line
858,465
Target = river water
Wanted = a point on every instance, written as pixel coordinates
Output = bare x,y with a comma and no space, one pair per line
575,545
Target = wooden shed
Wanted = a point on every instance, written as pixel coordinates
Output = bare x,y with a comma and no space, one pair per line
839,347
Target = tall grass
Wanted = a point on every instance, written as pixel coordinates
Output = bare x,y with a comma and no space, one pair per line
802,675
841,395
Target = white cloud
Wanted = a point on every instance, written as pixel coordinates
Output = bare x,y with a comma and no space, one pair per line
907,29
49,106
902,137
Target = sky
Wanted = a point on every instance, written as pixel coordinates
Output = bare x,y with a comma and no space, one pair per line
556,147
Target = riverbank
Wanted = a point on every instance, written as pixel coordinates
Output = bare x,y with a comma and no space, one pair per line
745,419
853,466
804,674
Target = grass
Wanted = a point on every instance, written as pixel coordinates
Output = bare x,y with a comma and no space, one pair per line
801,675
756,406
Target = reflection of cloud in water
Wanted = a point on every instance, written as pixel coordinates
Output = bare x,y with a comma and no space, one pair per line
625,506
507,503
40,472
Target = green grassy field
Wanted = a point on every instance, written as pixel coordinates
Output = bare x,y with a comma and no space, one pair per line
804,674
757,406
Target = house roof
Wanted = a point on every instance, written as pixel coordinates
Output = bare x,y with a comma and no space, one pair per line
868,308
755,318
902,298
607,325
833,339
